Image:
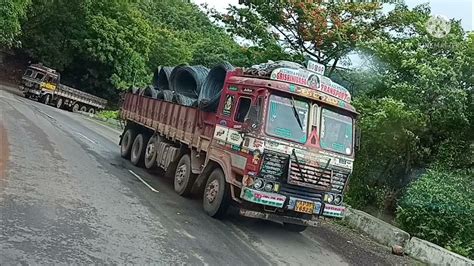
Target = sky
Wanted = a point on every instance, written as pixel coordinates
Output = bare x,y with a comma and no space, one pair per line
457,9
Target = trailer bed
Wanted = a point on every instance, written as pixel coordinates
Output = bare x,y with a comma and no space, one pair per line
189,125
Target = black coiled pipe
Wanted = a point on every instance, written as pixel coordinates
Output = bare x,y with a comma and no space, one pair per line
161,78
187,80
212,87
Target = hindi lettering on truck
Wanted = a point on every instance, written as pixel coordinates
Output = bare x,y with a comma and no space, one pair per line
280,146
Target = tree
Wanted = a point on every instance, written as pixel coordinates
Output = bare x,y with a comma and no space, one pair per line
326,31
11,13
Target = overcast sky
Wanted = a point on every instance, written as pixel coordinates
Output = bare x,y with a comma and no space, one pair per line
458,9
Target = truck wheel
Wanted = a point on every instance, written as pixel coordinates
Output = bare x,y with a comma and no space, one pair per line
75,107
127,142
297,228
91,111
46,99
137,155
216,197
83,108
150,152
183,177
59,104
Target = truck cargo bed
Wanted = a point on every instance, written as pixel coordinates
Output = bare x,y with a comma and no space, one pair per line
187,125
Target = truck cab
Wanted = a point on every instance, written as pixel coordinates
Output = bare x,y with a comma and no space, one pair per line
39,83
291,141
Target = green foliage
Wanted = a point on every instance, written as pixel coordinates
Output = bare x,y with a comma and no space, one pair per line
388,151
108,115
439,208
326,31
11,13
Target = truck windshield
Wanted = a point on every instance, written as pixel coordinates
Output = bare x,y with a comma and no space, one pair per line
282,120
336,132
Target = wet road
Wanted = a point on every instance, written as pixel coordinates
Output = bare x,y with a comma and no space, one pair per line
66,196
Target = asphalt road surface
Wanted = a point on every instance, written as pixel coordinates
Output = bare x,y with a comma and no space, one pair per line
66,196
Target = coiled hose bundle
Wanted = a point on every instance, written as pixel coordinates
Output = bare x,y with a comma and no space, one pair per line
149,91
187,80
162,79
168,95
211,89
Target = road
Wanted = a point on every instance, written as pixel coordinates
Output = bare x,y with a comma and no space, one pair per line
66,196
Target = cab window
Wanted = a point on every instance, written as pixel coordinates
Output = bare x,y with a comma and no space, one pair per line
28,73
39,76
243,108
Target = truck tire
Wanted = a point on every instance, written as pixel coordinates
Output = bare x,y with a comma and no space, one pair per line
83,108
183,177
75,107
137,155
91,111
127,142
46,99
216,197
59,103
297,228
151,152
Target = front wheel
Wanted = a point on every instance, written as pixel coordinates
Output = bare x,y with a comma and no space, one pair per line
184,178
216,197
46,99
59,104
297,228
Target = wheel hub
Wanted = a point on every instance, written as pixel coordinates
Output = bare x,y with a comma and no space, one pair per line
212,190
150,150
180,174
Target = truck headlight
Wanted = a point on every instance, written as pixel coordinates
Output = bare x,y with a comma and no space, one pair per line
258,184
338,199
268,187
329,198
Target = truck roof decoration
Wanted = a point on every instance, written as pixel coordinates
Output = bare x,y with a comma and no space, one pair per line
296,74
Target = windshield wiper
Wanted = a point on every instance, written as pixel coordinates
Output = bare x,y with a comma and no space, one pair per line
295,112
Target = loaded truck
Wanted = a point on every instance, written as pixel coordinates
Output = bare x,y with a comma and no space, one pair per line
43,84
279,145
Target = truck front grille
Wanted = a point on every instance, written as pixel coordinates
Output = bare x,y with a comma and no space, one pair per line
319,178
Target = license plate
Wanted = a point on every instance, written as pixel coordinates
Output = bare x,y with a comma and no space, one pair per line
304,207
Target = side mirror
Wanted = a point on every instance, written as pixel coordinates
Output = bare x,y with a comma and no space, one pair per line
358,136
252,121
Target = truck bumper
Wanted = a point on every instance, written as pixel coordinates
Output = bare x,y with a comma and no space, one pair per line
278,218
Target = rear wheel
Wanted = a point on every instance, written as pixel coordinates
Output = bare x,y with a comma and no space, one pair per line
59,104
184,178
216,197
127,142
150,152
83,108
91,111
137,155
75,107
297,228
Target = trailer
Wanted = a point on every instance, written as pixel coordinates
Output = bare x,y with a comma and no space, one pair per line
43,84
278,147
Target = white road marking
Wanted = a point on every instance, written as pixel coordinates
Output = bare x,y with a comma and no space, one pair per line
143,181
183,232
82,135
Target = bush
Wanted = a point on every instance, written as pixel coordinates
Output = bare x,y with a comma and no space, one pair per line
389,149
108,115
439,207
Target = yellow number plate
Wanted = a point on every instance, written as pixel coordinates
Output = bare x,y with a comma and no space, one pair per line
305,207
